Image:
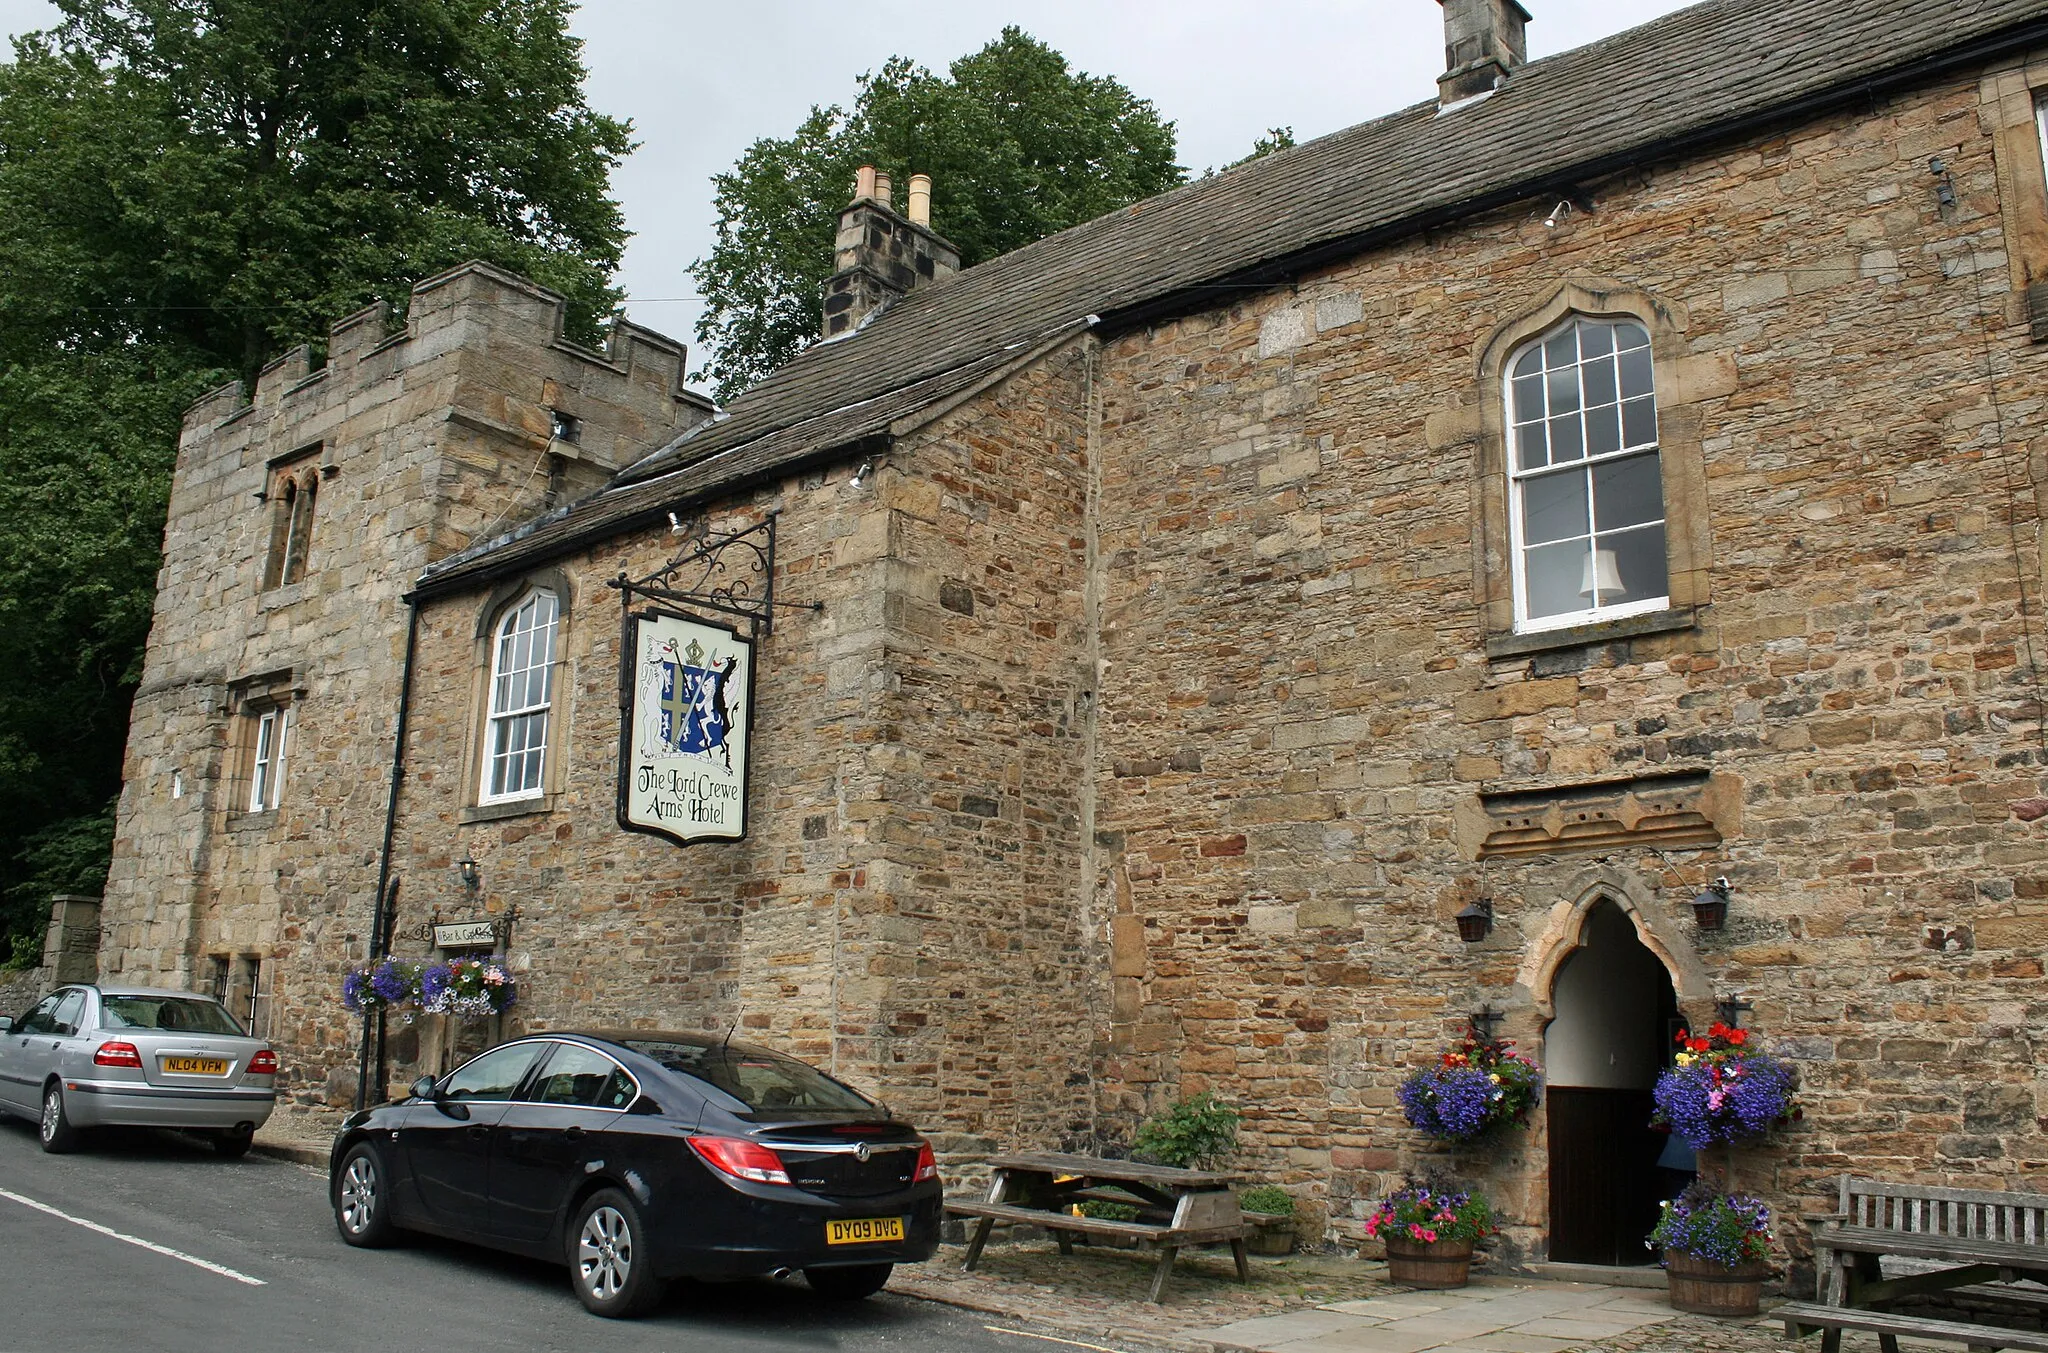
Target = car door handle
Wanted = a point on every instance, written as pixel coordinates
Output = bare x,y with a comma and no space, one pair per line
574,1134
478,1131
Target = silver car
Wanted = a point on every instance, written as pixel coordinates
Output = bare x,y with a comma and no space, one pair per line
93,1056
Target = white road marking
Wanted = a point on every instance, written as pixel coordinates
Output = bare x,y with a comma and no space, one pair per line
134,1240
1049,1338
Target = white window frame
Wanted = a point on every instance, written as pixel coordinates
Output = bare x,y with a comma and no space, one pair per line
270,742
1517,477
522,645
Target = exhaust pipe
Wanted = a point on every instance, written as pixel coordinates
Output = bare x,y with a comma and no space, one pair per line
778,1274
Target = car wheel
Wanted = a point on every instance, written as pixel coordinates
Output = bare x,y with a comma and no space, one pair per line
362,1204
850,1283
234,1142
56,1131
609,1263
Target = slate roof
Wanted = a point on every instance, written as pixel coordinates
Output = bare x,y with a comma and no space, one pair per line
1707,73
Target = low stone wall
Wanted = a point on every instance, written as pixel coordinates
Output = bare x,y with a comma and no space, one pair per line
19,989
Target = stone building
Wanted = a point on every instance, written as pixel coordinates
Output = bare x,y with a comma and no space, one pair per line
1618,473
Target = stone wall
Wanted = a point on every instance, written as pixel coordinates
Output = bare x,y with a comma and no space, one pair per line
1308,686
417,442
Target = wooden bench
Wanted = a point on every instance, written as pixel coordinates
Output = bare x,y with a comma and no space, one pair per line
1190,1208
1886,1242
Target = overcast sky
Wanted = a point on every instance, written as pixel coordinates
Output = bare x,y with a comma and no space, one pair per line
700,81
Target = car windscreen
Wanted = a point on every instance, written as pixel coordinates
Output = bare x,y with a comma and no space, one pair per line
760,1080
171,1014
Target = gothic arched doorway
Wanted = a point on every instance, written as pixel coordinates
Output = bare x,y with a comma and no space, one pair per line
1615,1013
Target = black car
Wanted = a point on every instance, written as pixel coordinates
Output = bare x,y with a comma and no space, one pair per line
637,1157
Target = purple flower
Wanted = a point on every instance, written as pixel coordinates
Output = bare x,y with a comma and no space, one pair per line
352,984
388,981
1730,1100
1721,1228
433,981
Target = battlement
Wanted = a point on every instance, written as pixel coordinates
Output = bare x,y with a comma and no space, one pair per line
475,307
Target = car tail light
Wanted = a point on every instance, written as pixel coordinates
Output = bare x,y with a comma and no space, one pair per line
741,1158
263,1063
927,1164
117,1054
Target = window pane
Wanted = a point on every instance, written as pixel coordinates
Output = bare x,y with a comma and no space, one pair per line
1628,335
579,1076
1563,388
1553,576
1530,363
1561,350
1564,439
1603,430
1528,398
1531,447
1595,339
1628,492
1639,422
494,1075
1639,557
1635,372
1554,507
1600,381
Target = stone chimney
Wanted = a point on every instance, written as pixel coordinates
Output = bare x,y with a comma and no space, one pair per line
880,255
1482,42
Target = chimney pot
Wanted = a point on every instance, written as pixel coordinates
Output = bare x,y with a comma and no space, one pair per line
1483,41
921,200
863,182
882,193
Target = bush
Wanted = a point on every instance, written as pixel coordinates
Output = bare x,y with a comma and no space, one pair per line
1270,1199
1197,1132
1108,1211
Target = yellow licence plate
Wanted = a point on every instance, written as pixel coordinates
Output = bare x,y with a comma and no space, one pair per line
196,1066
864,1231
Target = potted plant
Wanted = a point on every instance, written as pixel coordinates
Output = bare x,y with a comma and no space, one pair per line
1719,1089
1196,1133
1717,1250
1429,1228
1474,1088
1271,1208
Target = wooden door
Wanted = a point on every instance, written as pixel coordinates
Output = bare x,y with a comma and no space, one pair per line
1603,1181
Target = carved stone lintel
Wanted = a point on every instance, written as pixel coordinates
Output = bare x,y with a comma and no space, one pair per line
1677,809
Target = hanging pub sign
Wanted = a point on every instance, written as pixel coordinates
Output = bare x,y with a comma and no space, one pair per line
683,743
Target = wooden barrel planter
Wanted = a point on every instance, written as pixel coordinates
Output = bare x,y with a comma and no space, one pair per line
1424,1263
1703,1287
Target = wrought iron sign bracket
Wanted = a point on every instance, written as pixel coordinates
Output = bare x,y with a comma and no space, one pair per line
730,573
500,928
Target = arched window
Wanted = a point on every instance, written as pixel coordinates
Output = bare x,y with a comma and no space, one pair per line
522,682
1586,483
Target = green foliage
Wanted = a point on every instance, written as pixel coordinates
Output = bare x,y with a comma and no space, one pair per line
1197,1132
1276,138
1018,146
1108,1211
188,188
1270,1199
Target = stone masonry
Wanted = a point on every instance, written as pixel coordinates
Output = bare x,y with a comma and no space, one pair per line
1165,704
422,439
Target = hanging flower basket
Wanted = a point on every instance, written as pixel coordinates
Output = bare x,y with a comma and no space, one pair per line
387,984
1720,1090
467,988
1477,1086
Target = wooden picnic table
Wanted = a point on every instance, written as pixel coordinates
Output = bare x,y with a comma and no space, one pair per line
1887,1242
1176,1207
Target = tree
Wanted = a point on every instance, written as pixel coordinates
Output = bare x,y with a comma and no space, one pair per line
188,188
1018,146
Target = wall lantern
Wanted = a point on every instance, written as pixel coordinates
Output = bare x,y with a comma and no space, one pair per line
1710,908
472,879
1475,921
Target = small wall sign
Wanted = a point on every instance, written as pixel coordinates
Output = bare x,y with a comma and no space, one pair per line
683,743
466,935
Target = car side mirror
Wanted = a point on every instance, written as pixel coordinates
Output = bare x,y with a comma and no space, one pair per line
6,1023
423,1088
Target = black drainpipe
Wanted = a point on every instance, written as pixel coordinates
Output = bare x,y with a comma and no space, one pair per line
380,922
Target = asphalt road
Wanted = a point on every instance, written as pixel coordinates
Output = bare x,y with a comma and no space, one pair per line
148,1241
